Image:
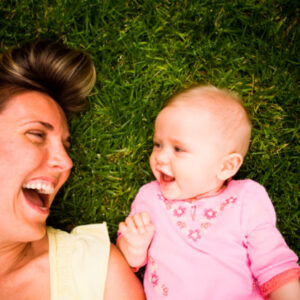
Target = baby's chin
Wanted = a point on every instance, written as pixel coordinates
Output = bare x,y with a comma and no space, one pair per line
170,188
172,196
177,195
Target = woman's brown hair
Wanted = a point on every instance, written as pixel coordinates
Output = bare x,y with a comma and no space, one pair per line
66,75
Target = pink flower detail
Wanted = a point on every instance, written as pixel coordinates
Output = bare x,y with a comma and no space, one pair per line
223,205
194,235
154,278
205,225
210,213
164,290
181,224
167,202
231,200
178,212
151,260
160,197
168,205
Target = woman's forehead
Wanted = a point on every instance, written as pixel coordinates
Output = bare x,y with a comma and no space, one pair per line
34,105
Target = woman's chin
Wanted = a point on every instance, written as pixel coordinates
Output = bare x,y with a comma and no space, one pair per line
34,233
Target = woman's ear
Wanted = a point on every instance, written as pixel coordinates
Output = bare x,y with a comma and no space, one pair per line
230,165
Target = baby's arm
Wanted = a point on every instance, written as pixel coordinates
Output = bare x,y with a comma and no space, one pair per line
289,291
136,235
273,263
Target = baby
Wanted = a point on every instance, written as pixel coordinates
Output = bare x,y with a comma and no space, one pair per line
202,234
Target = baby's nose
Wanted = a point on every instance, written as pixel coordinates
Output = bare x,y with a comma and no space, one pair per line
162,157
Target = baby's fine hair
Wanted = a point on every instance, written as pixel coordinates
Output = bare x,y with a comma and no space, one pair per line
66,75
229,110
210,90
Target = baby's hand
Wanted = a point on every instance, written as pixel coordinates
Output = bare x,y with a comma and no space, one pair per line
137,230
136,234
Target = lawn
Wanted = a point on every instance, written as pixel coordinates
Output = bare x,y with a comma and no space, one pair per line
144,51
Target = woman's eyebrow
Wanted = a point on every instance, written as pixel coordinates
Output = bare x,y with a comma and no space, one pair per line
46,125
50,127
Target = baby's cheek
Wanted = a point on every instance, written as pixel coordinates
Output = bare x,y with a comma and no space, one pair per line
152,165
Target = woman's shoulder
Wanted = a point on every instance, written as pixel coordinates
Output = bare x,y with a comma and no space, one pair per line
87,236
78,261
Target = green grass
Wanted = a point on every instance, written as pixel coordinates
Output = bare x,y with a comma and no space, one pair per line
144,51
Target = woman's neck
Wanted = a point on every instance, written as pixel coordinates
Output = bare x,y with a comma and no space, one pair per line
25,270
15,255
12,255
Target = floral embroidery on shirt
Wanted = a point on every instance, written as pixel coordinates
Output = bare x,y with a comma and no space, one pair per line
230,200
179,214
194,234
205,225
181,224
179,211
210,213
160,288
154,279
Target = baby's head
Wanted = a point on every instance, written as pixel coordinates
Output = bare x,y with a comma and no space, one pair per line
201,138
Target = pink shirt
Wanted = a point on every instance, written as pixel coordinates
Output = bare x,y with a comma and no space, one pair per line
220,247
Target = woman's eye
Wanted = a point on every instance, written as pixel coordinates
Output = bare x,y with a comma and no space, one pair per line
36,135
67,147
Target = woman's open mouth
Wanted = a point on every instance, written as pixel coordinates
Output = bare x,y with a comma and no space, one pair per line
37,194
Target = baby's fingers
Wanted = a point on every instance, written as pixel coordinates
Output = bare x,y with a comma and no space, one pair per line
123,229
145,218
128,227
131,225
150,229
148,225
139,222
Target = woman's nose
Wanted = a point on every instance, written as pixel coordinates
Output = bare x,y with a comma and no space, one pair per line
59,158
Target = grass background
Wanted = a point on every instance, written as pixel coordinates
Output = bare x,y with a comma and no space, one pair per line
144,51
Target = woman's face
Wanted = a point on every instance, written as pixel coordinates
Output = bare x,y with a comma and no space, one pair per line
34,164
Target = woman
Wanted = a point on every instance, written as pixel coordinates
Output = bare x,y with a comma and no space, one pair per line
40,83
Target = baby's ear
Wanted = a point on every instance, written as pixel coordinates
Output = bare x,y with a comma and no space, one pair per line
230,165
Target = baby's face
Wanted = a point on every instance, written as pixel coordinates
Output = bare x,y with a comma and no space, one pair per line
187,152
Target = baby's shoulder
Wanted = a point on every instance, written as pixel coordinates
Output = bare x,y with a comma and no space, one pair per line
252,196
150,188
246,186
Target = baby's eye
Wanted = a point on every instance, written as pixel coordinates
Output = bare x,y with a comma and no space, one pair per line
178,149
156,145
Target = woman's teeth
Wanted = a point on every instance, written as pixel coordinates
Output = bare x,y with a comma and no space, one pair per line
41,187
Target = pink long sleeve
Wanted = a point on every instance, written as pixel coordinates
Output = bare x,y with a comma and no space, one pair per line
269,254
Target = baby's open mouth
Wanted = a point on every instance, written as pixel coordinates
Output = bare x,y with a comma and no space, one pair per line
166,178
38,194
